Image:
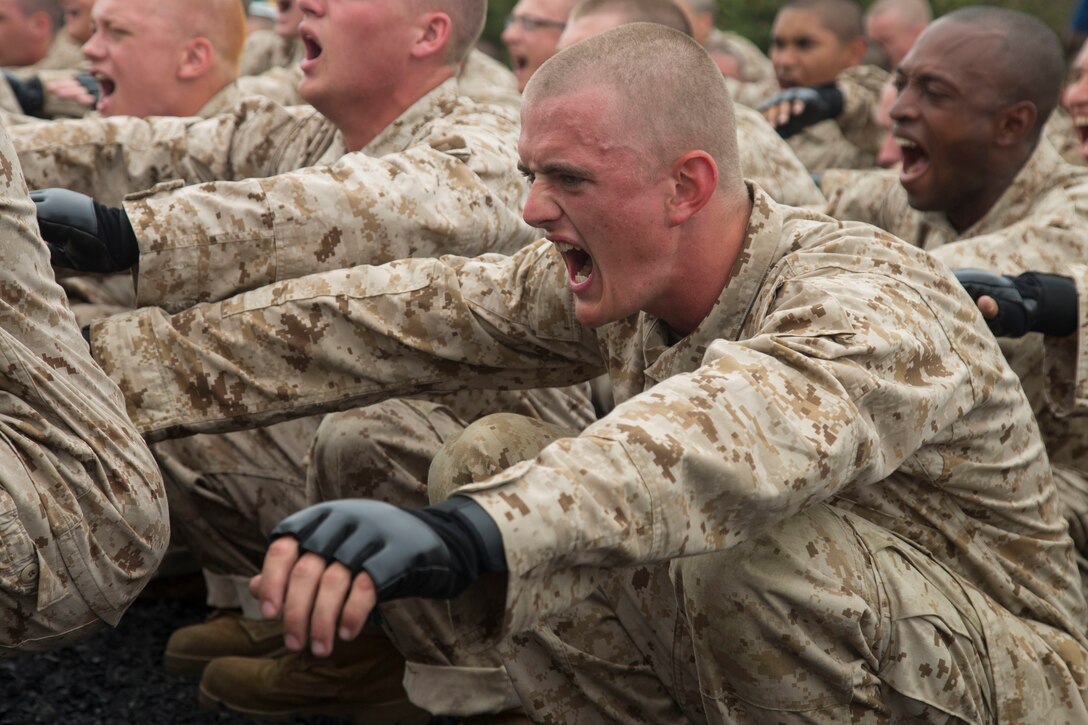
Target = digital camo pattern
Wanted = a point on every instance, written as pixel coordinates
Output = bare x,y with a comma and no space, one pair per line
1036,225
838,366
769,161
265,50
756,67
82,510
852,140
1067,357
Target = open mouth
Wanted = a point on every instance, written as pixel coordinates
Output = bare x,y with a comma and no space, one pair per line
520,62
579,263
106,86
1080,125
915,158
311,48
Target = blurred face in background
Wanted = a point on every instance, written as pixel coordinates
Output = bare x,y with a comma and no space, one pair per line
532,34
77,19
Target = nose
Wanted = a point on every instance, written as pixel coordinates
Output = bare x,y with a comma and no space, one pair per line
511,34
540,208
904,107
92,49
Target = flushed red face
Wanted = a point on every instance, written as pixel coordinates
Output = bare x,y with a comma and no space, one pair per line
134,52
354,49
943,117
1075,98
598,199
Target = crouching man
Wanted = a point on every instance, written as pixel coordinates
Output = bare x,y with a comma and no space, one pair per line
822,493
83,520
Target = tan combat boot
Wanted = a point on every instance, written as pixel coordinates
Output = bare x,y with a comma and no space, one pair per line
225,633
360,680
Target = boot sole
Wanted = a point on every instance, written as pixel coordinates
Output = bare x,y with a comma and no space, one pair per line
397,712
193,667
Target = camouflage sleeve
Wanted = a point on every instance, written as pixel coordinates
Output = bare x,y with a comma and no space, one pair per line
279,84
1066,358
457,191
83,520
859,195
860,88
770,162
844,376
111,157
349,337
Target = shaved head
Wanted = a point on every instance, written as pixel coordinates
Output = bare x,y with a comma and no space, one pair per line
655,70
468,17
662,12
841,17
1026,65
222,22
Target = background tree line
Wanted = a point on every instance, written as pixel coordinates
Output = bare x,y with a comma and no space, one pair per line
753,18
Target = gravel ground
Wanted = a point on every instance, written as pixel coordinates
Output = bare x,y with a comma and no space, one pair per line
115,676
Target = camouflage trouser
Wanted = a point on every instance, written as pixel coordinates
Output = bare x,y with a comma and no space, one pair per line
227,492
826,617
383,452
1073,491
82,510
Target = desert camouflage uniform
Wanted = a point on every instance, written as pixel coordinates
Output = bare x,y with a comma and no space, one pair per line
1036,225
482,79
756,67
440,178
82,509
852,140
842,418
769,161
1066,358
265,50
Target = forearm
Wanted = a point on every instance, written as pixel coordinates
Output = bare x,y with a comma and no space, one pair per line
207,243
343,339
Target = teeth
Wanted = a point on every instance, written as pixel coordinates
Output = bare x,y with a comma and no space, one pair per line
581,277
905,143
1080,120
563,247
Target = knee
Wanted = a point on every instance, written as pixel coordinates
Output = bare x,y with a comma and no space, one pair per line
351,453
491,444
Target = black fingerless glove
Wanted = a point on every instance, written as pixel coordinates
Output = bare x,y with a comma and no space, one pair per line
84,235
1030,302
28,92
435,553
821,103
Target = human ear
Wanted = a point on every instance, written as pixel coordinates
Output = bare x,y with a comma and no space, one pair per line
694,183
1015,123
434,34
197,58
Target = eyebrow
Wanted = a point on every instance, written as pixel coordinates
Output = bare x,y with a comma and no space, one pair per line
556,168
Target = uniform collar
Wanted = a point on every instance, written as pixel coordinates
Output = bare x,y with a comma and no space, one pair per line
1032,182
221,102
763,246
402,132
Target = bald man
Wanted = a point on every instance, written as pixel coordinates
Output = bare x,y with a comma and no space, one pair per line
823,494
980,186
894,25
394,161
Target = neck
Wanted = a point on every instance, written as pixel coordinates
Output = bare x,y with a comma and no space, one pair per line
364,118
710,253
967,215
